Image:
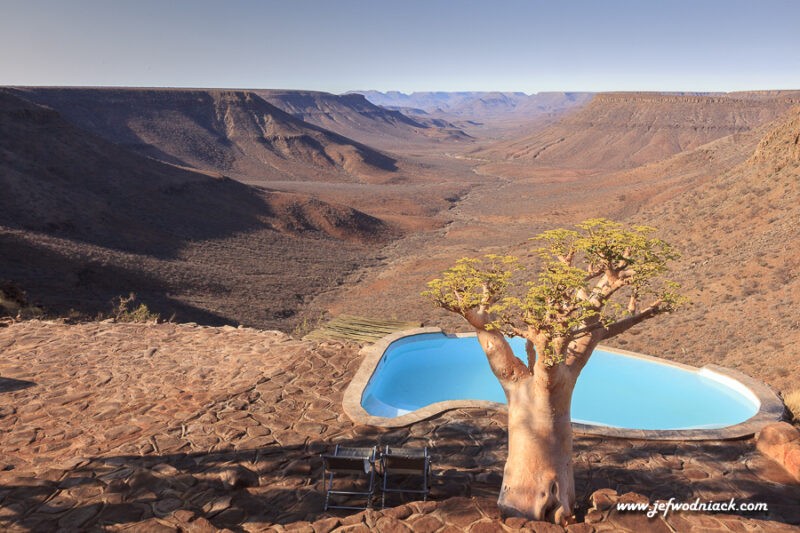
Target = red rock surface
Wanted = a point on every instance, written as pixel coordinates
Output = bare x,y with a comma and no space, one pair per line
781,443
174,427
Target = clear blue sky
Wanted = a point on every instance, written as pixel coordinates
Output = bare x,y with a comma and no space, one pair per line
408,45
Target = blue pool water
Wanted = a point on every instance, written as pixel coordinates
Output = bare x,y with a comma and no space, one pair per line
613,390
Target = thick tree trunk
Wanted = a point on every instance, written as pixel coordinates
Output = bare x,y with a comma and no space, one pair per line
538,481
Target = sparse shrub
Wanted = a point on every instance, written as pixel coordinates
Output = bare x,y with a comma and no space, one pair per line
124,310
14,302
792,401
749,287
306,326
782,275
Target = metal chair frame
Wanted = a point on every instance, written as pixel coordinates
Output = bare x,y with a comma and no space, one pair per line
405,461
345,460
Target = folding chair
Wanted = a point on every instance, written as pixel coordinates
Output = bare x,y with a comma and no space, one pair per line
349,461
405,462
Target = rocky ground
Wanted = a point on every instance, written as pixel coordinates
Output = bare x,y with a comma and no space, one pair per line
176,427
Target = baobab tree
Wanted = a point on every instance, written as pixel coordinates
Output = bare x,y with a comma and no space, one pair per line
593,283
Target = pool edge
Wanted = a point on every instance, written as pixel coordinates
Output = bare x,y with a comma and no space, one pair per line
770,410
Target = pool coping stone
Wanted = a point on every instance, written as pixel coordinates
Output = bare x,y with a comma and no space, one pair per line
771,410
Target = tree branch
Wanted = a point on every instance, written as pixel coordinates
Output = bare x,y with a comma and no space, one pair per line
621,326
477,318
530,349
506,366
593,273
580,350
486,296
608,285
567,258
517,331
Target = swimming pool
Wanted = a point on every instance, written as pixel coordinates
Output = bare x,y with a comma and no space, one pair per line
615,390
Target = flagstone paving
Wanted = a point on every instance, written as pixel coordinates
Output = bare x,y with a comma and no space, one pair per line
184,428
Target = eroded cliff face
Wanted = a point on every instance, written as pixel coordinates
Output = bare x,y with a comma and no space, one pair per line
83,220
781,147
233,132
59,179
625,130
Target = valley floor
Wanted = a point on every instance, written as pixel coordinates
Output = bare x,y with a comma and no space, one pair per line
178,427
726,324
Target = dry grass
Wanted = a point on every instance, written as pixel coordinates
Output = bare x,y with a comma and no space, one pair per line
126,310
14,303
792,401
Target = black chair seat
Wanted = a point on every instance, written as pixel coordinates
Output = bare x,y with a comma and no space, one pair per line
349,462
405,462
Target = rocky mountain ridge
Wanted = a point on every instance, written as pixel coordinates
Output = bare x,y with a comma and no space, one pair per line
625,130
353,116
83,220
234,132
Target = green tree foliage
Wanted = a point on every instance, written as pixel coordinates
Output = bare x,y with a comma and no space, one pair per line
473,283
590,285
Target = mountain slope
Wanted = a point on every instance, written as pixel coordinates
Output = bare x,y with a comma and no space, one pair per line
428,101
625,130
83,220
355,117
740,241
59,178
232,132
483,115
479,105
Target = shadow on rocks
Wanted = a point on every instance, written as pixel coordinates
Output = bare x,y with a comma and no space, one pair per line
281,484
11,385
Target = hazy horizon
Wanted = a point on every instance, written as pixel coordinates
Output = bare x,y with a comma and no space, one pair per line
407,93
517,46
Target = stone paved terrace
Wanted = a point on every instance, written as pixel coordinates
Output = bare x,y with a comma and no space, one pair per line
184,428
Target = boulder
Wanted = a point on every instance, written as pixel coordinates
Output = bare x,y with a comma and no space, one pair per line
238,476
781,443
791,461
603,499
